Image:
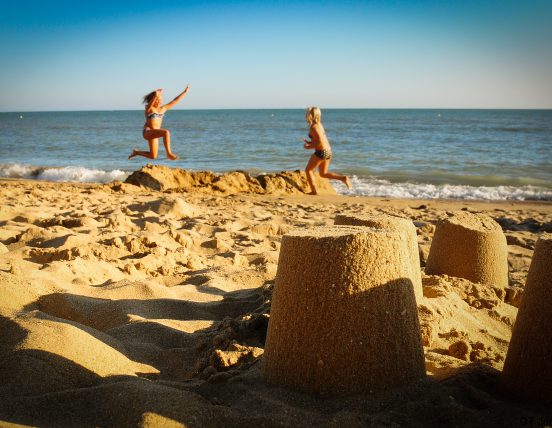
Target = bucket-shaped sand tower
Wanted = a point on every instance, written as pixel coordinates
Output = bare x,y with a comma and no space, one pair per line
470,246
343,316
400,224
528,367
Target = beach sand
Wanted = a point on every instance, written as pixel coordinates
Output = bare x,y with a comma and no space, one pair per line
126,306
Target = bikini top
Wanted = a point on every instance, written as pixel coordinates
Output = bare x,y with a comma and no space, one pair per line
155,115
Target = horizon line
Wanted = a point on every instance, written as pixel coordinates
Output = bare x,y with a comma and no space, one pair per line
282,108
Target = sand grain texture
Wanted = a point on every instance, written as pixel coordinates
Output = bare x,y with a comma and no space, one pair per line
122,305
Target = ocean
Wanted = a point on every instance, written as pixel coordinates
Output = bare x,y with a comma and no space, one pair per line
413,153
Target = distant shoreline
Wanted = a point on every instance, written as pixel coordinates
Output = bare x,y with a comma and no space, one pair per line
288,108
404,153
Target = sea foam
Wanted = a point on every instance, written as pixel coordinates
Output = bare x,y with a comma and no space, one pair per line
68,173
383,188
372,186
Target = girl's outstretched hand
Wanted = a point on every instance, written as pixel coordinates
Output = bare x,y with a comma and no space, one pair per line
187,88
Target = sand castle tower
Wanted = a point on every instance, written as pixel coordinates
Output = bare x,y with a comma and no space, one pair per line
344,316
470,246
528,366
403,225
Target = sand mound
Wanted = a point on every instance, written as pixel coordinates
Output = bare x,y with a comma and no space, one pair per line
17,293
163,178
55,354
127,403
170,206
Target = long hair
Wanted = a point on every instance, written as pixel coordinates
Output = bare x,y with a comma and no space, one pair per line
149,97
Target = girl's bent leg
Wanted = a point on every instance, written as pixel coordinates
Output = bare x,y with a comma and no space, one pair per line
167,144
141,153
324,165
166,135
152,154
309,170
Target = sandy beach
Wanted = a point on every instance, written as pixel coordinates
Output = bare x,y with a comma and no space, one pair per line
125,305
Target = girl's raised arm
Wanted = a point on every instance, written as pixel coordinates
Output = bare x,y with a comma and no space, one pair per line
177,99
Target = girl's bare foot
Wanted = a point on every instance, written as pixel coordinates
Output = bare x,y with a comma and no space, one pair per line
347,182
133,153
172,156
312,193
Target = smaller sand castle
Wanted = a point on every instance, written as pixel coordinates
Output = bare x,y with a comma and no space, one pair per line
400,224
528,366
344,317
470,246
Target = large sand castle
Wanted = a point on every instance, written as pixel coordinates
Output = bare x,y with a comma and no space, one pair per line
400,224
343,317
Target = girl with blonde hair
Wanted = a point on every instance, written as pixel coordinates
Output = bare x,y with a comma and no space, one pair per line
322,155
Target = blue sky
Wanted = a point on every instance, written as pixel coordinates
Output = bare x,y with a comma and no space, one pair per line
69,55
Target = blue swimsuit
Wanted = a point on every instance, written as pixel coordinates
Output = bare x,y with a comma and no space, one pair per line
151,116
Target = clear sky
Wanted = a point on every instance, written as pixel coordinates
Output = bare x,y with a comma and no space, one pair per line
103,55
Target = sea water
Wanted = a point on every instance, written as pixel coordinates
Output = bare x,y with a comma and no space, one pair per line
417,153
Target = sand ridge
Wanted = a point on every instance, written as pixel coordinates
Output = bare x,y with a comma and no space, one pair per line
119,296
163,178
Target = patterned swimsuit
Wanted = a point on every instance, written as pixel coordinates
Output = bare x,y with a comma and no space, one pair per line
323,154
150,116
